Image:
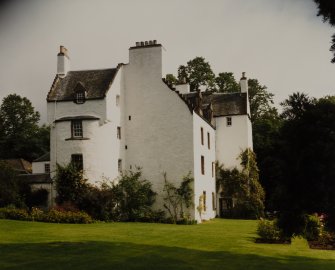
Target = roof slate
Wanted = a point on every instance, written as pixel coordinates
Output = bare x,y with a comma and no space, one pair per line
95,82
19,164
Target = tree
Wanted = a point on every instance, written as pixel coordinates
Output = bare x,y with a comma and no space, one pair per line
171,79
226,83
20,135
9,186
326,9
296,105
307,159
197,73
242,190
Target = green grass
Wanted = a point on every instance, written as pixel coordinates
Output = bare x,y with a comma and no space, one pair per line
218,244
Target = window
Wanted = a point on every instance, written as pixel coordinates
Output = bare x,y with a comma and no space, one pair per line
77,161
117,100
213,201
80,97
213,169
202,136
47,167
208,140
118,135
129,117
202,165
77,128
204,199
119,165
229,122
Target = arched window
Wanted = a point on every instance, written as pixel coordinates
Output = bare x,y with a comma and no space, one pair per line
79,94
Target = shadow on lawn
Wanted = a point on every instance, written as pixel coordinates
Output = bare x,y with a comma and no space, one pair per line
111,255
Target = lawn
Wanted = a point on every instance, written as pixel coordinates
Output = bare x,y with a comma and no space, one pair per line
218,244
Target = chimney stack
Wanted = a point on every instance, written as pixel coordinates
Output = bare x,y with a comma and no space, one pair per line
244,83
63,62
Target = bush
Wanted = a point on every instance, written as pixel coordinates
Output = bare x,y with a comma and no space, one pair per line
268,231
14,213
38,197
313,228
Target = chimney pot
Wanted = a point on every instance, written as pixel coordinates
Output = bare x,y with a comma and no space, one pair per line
150,42
146,43
142,43
138,44
155,41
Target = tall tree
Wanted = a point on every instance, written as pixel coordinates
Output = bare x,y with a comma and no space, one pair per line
197,73
226,83
326,9
20,135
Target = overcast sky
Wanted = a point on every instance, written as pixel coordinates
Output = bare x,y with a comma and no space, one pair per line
280,42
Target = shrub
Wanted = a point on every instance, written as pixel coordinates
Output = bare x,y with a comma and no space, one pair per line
56,216
313,228
14,213
268,231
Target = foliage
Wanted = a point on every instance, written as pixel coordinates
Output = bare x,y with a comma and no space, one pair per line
314,227
38,197
70,184
226,83
197,73
178,199
268,231
171,79
241,189
296,105
135,196
14,213
326,9
307,153
9,186
20,135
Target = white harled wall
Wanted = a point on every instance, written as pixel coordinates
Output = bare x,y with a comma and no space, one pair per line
204,182
159,136
232,140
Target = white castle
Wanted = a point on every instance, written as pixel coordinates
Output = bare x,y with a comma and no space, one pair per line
112,120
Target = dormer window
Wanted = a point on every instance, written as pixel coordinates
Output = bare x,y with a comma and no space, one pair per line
80,97
79,93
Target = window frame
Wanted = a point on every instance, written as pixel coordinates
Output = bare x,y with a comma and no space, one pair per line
118,133
77,161
208,140
204,200
229,121
77,131
47,167
202,135
80,97
202,165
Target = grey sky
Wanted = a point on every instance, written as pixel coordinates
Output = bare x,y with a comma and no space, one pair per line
280,42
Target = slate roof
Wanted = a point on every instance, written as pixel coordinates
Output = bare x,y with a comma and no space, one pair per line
45,157
36,178
227,104
19,164
95,82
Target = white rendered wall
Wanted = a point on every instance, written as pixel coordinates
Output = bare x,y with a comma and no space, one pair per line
101,150
159,135
206,181
232,140
39,167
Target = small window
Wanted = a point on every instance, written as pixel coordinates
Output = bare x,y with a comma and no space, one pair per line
202,165
208,140
117,100
202,136
77,161
119,165
129,117
213,201
77,128
204,199
229,121
213,168
47,167
126,147
130,167
80,97
118,135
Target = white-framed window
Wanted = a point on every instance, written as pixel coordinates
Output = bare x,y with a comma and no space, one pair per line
80,97
229,121
46,167
77,128
202,135
202,165
118,133
208,140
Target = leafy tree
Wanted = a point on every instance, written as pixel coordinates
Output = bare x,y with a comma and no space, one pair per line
226,83
70,184
242,190
20,135
296,105
307,155
178,199
197,73
9,186
326,9
171,79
